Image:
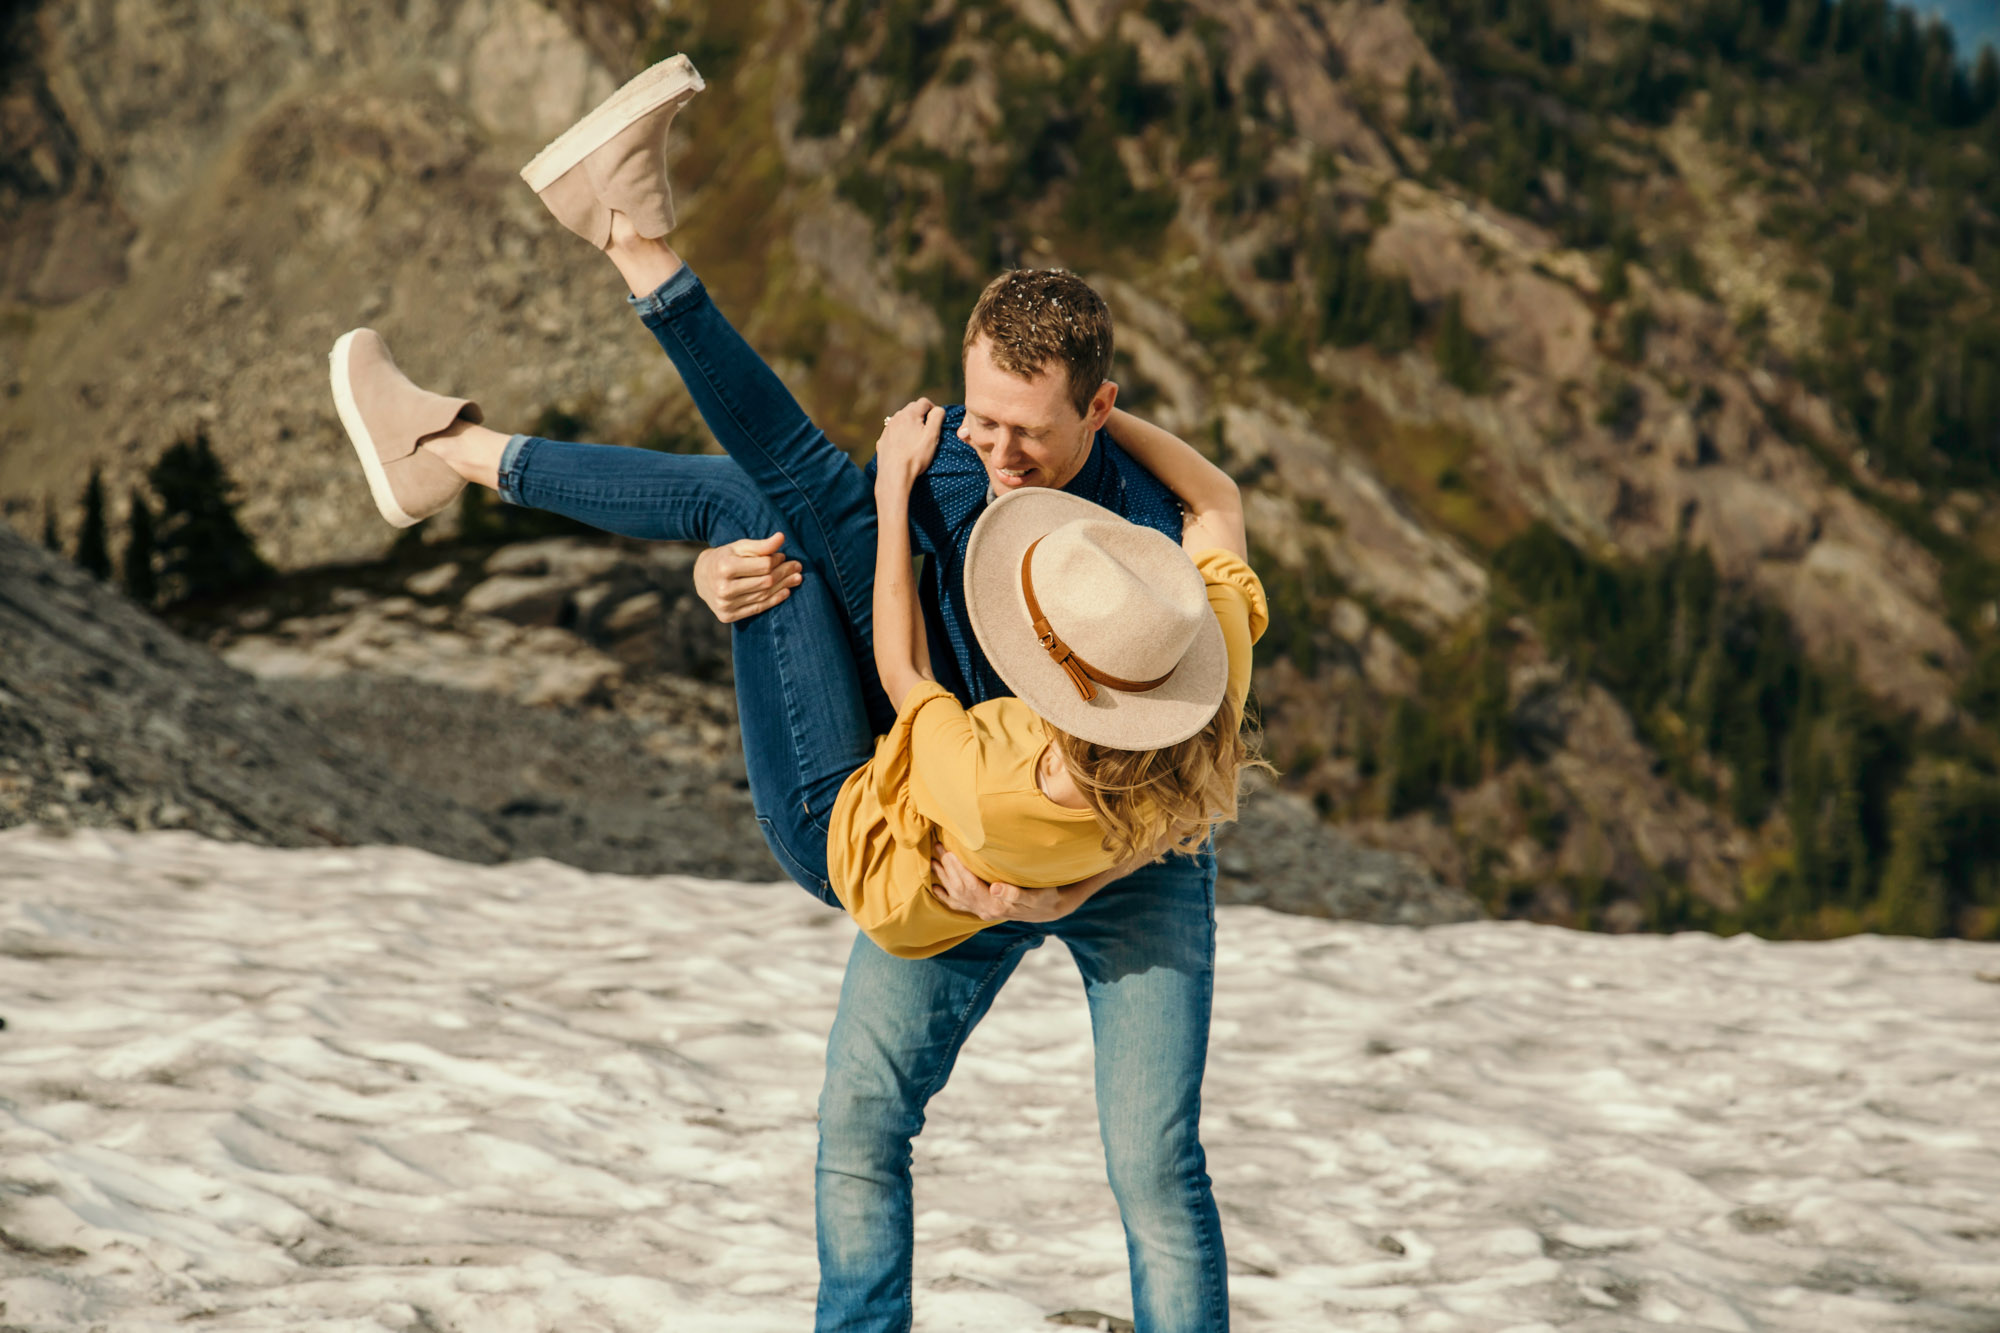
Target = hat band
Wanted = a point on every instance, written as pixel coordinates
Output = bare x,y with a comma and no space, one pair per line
1081,673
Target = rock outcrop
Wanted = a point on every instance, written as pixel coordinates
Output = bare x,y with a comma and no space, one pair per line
1283,856
110,719
575,690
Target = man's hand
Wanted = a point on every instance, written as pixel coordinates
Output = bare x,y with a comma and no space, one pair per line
956,887
744,578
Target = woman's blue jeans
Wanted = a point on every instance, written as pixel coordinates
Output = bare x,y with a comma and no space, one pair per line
811,706
809,701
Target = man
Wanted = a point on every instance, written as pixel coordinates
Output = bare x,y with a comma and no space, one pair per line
1037,351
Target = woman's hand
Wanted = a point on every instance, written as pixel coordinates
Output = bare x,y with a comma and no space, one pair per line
908,443
958,888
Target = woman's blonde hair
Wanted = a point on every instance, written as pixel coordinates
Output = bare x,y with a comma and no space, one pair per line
1144,797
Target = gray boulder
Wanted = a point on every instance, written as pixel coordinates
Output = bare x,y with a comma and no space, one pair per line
1281,855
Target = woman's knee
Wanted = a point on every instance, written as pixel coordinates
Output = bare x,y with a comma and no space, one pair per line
736,508
792,841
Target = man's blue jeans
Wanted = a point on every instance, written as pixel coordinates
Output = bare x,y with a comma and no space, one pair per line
1146,949
810,707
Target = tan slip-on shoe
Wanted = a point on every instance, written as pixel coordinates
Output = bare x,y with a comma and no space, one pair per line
387,417
615,157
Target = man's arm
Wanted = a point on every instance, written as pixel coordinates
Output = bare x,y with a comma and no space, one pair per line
745,578
958,888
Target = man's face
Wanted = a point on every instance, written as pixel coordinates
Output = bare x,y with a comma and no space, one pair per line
1026,431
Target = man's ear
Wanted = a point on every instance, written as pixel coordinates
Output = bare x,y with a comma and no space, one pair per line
1101,404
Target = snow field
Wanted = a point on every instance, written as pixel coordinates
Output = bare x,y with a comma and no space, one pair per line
374,1089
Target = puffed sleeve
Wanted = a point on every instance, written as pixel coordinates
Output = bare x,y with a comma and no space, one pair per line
1237,596
926,770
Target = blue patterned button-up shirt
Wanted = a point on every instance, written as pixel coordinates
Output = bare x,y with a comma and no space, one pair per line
949,498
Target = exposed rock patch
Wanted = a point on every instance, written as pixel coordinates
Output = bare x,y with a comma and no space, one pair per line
109,719
1282,855
603,733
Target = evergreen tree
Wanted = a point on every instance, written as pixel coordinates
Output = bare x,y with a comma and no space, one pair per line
1807,27
1912,898
1461,356
93,552
1985,83
204,551
141,584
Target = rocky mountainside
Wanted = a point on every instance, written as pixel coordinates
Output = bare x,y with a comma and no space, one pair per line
107,718
577,692
1484,303
558,698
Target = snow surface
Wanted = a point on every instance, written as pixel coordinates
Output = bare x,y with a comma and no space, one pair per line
374,1089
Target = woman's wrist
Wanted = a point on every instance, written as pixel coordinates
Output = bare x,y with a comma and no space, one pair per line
892,496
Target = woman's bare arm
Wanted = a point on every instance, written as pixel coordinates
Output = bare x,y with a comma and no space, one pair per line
902,656
1214,504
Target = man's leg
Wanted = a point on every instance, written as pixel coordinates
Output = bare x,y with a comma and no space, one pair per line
1146,949
897,1033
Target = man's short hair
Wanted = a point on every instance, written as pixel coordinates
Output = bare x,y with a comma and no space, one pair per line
1036,317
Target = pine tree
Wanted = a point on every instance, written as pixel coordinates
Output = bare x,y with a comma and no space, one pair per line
204,551
141,584
1985,83
1391,314
1461,356
1913,895
93,552
1807,27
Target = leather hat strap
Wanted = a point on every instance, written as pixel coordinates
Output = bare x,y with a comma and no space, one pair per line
1081,673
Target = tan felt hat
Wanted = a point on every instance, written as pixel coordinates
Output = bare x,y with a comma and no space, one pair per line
1101,626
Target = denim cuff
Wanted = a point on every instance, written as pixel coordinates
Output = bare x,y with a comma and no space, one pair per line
513,464
675,294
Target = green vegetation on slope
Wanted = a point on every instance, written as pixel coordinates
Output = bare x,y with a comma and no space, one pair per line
1869,147
1886,828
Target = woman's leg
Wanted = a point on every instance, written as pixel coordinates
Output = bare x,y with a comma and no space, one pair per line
826,507
799,698
605,179
826,501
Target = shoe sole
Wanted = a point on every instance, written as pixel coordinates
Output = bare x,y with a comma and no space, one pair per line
674,77
358,436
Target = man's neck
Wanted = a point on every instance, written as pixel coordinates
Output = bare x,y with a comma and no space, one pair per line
1088,452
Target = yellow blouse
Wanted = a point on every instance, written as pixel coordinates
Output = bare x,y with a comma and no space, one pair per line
966,776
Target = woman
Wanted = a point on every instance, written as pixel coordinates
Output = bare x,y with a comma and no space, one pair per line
1129,660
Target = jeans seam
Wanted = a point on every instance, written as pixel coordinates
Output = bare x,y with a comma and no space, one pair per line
1214,1256
797,866
793,709
515,456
